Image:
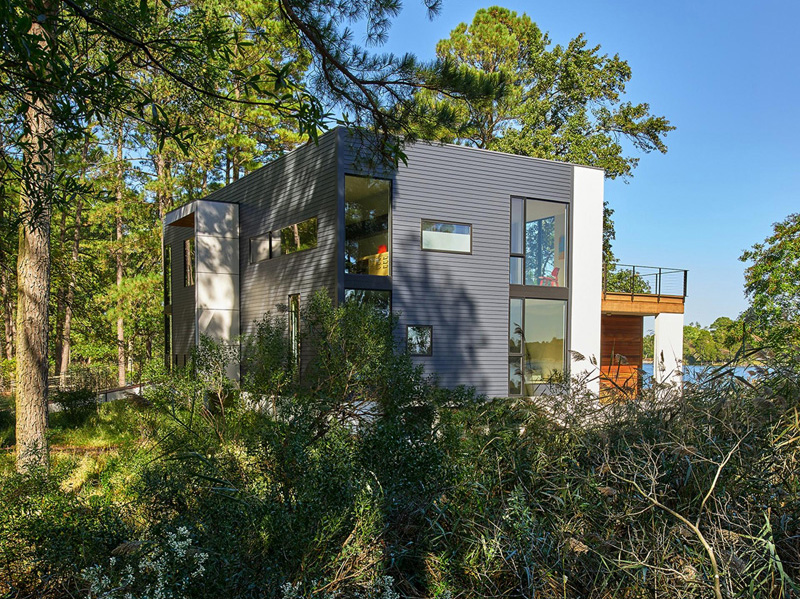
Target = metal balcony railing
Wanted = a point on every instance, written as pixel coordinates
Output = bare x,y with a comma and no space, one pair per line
644,280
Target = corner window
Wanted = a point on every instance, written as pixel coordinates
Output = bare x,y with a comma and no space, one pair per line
446,237
298,237
539,243
536,343
374,298
367,203
188,262
419,339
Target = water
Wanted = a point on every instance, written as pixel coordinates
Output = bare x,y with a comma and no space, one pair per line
694,373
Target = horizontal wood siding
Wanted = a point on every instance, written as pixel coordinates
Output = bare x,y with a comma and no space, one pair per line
183,298
464,297
294,188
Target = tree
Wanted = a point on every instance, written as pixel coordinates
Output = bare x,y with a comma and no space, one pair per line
560,102
772,284
68,63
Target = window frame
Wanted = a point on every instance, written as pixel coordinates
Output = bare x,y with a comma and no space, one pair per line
444,222
521,354
268,238
343,226
189,272
567,242
430,351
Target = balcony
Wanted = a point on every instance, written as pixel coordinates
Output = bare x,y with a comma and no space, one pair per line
643,290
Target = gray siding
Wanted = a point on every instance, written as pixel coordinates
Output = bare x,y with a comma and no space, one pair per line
464,297
296,187
183,298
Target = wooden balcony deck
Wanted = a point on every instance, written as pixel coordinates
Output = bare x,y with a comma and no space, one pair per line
641,304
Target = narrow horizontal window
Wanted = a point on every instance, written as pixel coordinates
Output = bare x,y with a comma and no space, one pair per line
446,237
419,339
259,248
298,237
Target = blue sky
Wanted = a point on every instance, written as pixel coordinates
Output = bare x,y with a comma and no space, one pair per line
727,75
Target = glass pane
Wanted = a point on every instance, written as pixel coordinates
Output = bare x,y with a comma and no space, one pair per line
545,243
366,216
515,376
167,275
446,237
259,249
515,327
515,270
294,329
299,237
379,300
545,328
517,218
188,262
419,339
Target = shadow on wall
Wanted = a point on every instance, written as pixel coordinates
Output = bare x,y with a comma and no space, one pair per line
433,294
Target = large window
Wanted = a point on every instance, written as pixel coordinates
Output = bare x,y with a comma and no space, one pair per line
167,275
446,237
536,338
367,205
539,243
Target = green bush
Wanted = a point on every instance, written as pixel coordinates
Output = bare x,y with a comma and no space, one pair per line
363,478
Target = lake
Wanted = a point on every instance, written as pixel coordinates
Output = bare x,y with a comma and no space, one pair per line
692,373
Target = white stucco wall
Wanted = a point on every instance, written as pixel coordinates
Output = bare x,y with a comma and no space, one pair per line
586,278
217,272
668,349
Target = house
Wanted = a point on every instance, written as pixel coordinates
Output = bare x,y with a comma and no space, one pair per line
491,261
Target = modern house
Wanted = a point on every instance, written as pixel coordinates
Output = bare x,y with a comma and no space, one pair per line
492,262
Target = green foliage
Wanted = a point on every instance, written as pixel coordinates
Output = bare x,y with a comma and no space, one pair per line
772,283
382,485
563,103
721,342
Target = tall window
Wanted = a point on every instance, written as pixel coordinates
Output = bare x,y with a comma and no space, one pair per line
188,262
539,243
167,275
294,331
367,203
536,338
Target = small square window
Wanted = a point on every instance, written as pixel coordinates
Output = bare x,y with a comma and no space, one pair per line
419,339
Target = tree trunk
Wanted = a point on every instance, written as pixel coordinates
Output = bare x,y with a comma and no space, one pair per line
121,363
5,290
33,271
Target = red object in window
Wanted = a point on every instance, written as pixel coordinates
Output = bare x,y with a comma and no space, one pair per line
382,249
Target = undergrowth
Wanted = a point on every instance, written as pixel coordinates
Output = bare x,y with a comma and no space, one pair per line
362,478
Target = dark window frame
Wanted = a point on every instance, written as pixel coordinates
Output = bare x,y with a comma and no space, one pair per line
430,351
343,224
521,354
567,241
444,222
294,333
268,237
189,273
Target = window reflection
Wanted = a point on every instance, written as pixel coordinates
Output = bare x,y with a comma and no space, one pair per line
367,203
545,243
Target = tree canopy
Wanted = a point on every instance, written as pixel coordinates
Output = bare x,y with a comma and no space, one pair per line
772,284
558,102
